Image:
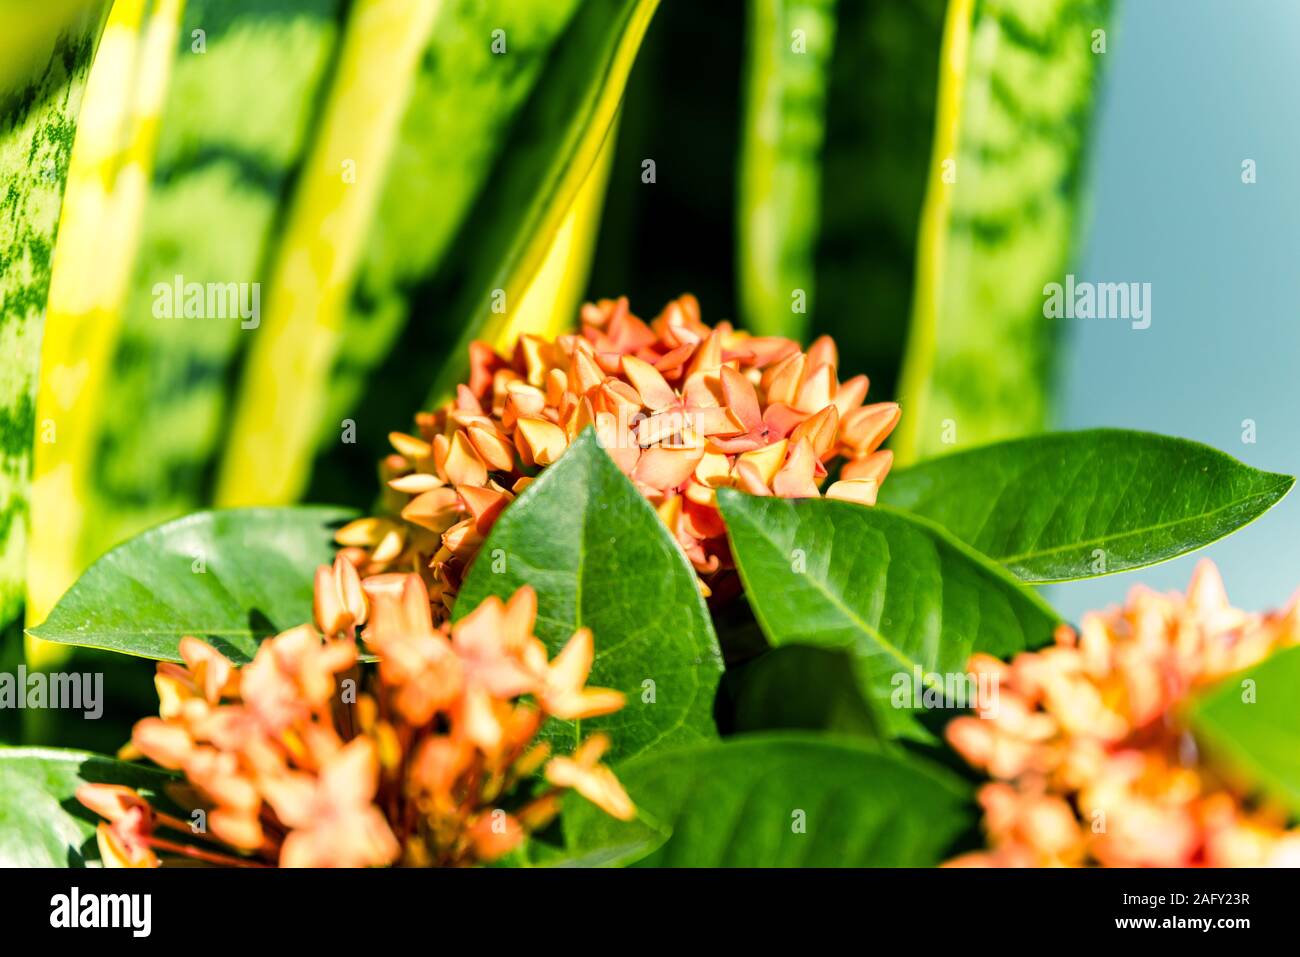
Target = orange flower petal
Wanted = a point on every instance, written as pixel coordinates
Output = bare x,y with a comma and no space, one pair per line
539,442
667,468
862,491
864,429
795,479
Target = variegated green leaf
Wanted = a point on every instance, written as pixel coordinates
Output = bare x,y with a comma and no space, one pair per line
434,218
45,56
1018,83
112,159
238,117
788,53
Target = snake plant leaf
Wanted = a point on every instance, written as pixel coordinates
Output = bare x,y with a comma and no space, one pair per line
559,143
361,144
231,577
1250,725
892,590
1018,84
598,557
788,51
880,115
111,162
491,234
1073,505
266,119
788,799
237,118
41,822
45,55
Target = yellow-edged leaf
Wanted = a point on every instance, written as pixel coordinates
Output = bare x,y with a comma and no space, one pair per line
99,227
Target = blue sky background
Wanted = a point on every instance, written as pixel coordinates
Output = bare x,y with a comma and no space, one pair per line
1194,88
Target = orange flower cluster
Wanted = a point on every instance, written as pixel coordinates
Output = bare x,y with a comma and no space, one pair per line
682,409
1090,762
295,764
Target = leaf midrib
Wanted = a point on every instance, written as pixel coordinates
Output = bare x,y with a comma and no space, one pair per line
871,632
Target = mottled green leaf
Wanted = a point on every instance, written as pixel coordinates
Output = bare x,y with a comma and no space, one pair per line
503,118
788,50
556,145
232,577
45,55
98,234
1250,723
880,121
420,106
42,824
599,557
238,119
894,591
1018,83
1078,504
784,800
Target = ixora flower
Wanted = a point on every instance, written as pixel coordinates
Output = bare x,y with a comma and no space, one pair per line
1090,762
432,763
682,409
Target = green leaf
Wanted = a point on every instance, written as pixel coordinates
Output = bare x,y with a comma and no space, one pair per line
41,822
1017,88
784,800
98,232
1078,504
232,577
894,591
880,121
422,103
619,847
1254,730
599,557
780,172
45,55
484,161
237,121
797,687
556,146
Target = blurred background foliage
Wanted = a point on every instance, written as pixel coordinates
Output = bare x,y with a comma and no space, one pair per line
402,176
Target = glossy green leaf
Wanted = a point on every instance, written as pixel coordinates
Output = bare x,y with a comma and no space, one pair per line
784,800
1017,87
41,822
614,847
1250,723
788,51
1078,504
894,591
798,687
45,55
599,557
232,577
